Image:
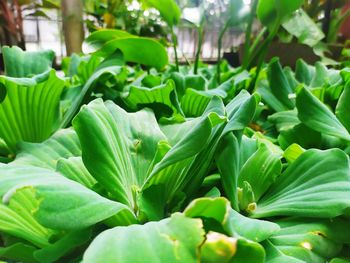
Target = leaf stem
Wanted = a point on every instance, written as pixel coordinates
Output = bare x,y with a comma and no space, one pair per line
174,39
221,36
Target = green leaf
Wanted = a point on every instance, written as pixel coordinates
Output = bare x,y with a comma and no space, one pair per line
139,50
19,252
118,147
161,99
342,110
260,170
272,12
16,217
102,70
279,85
174,171
73,168
304,73
279,88
63,144
218,248
307,240
30,109
195,100
100,37
248,251
302,135
317,116
252,229
61,203
233,223
238,12
300,25
175,239
284,120
23,64
293,152
168,9
315,185
66,244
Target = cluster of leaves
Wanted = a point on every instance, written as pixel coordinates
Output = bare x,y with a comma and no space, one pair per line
161,165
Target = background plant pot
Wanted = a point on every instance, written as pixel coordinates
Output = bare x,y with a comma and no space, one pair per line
288,53
335,51
232,58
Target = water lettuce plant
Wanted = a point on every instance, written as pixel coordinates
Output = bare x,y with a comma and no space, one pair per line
124,159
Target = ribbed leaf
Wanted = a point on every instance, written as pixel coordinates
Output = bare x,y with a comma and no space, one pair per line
23,64
279,85
175,239
194,102
235,224
14,224
60,203
307,240
343,107
300,25
110,66
318,117
315,185
63,144
161,99
73,168
118,147
284,120
30,109
260,170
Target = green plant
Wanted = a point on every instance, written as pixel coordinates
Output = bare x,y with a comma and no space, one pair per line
170,164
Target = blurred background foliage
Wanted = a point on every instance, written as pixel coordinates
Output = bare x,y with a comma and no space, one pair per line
78,18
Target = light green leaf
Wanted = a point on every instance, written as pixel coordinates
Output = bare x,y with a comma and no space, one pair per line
293,152
29,111
235,224
238,12
314,114
218,248
300,25
118,147
100,37
284,120
110,66
315,185
304,73
308,240
272,12
60,203
161,99
63,144
168,9
139,50
73,168
23,64
342,110
279,85
175,239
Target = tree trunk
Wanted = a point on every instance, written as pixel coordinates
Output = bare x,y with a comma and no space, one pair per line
72,17
11,24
